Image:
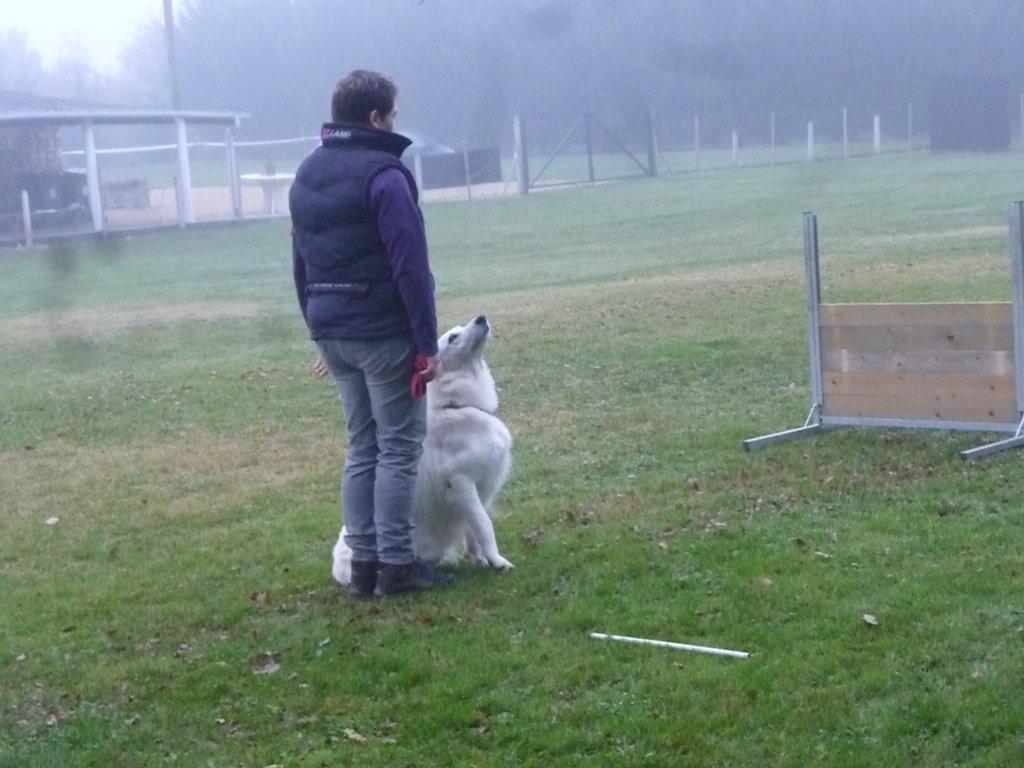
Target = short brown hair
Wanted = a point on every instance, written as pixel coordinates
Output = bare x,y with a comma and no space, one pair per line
361,92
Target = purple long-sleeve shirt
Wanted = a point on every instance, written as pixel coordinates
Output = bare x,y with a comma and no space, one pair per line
400,227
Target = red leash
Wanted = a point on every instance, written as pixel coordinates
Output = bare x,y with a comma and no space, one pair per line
418,387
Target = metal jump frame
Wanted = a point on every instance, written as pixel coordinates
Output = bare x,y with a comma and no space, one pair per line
817,421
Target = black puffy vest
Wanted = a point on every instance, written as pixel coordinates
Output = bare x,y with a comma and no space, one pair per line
348,278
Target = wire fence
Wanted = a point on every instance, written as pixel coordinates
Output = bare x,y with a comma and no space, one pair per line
693,142
148,180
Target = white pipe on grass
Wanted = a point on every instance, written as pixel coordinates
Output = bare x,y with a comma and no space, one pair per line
666,644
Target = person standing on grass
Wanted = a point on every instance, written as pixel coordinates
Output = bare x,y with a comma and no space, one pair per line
366,292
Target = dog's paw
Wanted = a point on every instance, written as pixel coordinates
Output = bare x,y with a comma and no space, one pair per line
499,563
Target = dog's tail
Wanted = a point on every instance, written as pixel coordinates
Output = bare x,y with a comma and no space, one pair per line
342,569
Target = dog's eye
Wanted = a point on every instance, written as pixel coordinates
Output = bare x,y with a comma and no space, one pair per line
452,338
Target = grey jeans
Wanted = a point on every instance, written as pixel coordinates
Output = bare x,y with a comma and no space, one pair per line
386,427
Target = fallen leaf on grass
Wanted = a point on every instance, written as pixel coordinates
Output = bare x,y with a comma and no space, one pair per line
355,736
870,620
267,663
532,539
261,598
765,582
21,657
52,520
800,544
321,645
576,513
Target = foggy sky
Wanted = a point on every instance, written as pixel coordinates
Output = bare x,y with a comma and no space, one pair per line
101,27
465,66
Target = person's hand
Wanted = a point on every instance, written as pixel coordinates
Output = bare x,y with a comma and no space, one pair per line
319,368
433,369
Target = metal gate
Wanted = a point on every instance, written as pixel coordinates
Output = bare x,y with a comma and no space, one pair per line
572,161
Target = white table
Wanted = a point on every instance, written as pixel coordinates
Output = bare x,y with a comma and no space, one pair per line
275,187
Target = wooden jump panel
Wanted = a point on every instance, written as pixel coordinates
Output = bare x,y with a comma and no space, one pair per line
954,406
911,338
997,313
988,363
918,384
938,362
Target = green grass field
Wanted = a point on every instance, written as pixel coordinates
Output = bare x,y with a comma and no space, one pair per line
155,396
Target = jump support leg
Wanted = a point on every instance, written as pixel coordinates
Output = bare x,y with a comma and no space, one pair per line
812,426
1017,441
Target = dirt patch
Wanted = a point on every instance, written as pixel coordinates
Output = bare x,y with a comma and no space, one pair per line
90,322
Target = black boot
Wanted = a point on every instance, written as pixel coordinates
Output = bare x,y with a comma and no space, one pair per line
364,578
411,577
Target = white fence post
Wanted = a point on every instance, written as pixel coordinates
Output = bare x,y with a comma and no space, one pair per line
26,218
846,137
735,148
417,170
234,183
910,127
696,139
92,175
653,166
522,161
186,212
810,141
469,181
878,134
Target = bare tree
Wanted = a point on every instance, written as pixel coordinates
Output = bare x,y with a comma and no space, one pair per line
21,68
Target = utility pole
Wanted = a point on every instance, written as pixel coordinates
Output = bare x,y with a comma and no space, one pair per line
172,57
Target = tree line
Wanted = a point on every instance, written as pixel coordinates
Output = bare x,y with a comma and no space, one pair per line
464,67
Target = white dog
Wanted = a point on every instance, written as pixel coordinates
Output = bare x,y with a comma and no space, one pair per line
467,455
